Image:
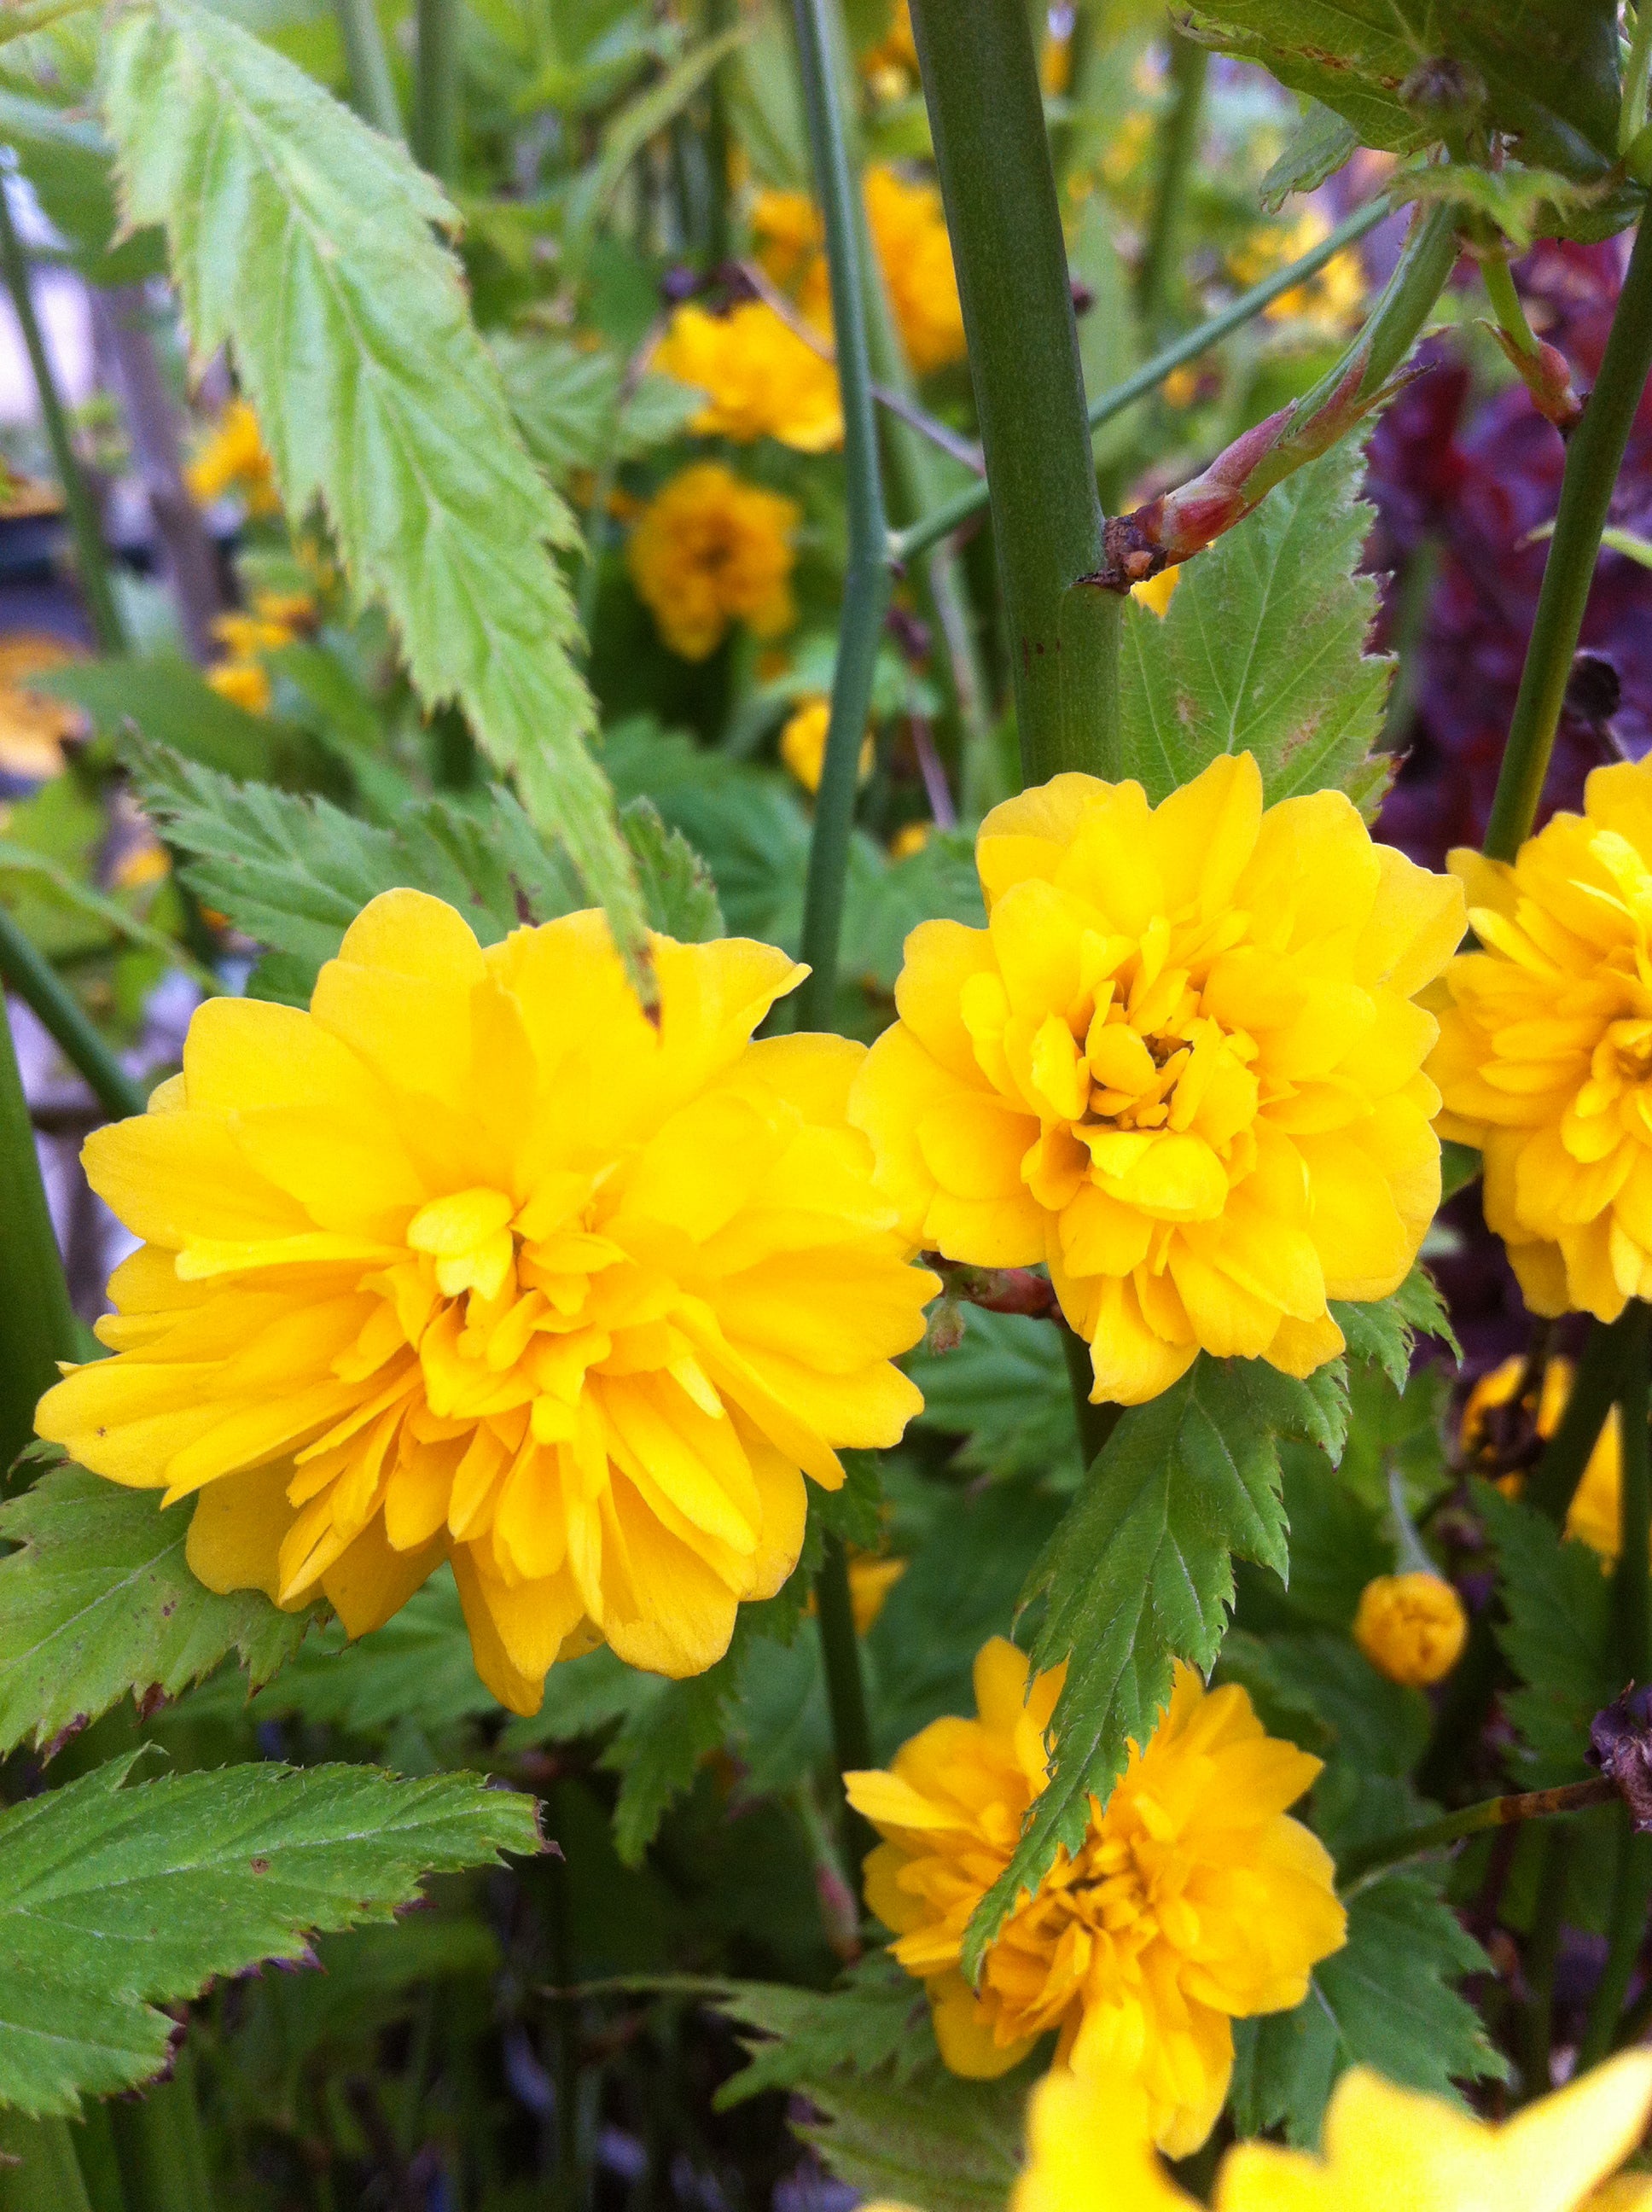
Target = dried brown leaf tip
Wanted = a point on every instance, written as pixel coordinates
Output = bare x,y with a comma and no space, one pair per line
1620,1744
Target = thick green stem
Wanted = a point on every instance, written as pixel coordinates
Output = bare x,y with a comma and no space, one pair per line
1368,1859
1593,454
1152,373
985,111
27,972
846,1691
865,592
39,2172
90,559
37,1324
436,90
1631,117
1632,1892
1553,1481
366,66
1178,153
1631,1586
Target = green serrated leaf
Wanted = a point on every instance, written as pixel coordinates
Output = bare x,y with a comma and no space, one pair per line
1003,1389
1316,149
1557,1636
678,894
948,2145
878,2016
118,1900
71,164
1385,1330
1263,649
575,408
661,1741
309,243
1387,1999
1140,1573
294,872
98,1600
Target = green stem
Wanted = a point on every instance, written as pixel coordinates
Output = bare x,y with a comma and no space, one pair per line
866,590
1542,1950
1506,301
373,89
1367,1859
1095,1424
1469,1691
1631,1585
1553,1481
37,1322
27,972
985,111
840,1648
1152,373
1179,152
46,2176
1631,116
90,559
716,22
1593,454
1632,1892
436,90
163,2160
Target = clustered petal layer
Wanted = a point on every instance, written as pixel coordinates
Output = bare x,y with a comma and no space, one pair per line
471,1259
1385,2149
1181,1064
1193,1901
1544,1058
709,550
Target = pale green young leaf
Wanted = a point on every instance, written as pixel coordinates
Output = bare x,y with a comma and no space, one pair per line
678,895
97,1600
576,408
60,886
70,165
1263,650
1316,149
1389,1999
309,244
118,1900
1140,1573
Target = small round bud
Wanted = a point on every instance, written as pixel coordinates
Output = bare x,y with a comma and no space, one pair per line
1411,1627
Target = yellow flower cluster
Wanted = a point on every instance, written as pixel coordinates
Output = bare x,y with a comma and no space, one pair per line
1412,1627
474,1260
1544,1058
1181,1064
233,457
802,742
710,550
760,379
914,254
1595,1515
1385,2149
1332,300
1193,1901
276,619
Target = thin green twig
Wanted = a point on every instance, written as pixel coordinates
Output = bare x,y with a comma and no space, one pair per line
37,1324
906,543
27,971
366,66
436,90
1365,1859
1178,155
1594,455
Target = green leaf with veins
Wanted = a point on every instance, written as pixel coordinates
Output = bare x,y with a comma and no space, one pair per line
1556,1635
1263,650
98,1600
1139,1573
310,244
119,1900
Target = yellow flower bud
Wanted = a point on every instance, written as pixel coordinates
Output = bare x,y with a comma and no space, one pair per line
1411,1627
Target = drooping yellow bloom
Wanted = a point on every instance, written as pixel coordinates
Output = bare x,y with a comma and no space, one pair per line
1386,2149
802,742
908,231
710,550
1544,1058
1181,1064
1412,1627
473,1261
1331,300
233,457
1193,1901
1595,1516
760,379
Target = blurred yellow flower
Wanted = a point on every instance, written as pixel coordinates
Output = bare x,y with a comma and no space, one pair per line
34,727
1130,144
870,1581
710,550
1158,591
243,682
893,62
233,457
1333,299
788,234
1595,1517
911,837
473,1259
1181,389
1193,1901
1385,2149
1412,1627
1181,1065
275,619
802,742
1544,1057
144,862
908,230
760,379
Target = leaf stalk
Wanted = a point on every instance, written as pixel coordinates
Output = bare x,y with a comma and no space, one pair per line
1373,1858
27,971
